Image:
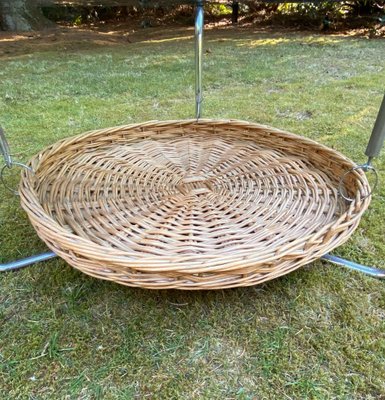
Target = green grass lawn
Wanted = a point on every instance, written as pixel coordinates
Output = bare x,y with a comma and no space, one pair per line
318,333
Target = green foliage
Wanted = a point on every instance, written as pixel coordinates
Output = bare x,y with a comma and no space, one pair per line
80,11
312,10
363,7
316,10
218,9
78,20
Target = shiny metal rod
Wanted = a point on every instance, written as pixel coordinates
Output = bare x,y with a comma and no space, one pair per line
199,20
375,272
18,264
377,138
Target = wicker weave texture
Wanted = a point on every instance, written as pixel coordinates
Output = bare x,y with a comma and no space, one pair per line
191,205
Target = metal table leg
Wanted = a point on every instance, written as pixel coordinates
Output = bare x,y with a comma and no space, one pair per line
375,272
18,264
199,21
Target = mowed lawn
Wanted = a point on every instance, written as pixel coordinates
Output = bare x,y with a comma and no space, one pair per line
318,333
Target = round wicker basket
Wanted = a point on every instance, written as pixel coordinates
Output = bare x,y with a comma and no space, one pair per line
205,204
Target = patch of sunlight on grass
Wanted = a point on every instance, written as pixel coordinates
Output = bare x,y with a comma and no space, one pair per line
274,41
266,42
165,40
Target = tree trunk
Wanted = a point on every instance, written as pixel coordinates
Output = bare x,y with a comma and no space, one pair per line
22,15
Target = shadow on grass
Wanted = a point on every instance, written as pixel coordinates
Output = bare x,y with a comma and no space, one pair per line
74,39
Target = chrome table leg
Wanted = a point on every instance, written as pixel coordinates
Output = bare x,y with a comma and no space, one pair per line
18,264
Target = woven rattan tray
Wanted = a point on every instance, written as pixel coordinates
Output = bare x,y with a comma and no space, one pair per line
191,205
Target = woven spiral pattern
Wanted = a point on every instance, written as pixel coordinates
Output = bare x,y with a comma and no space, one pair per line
191,205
